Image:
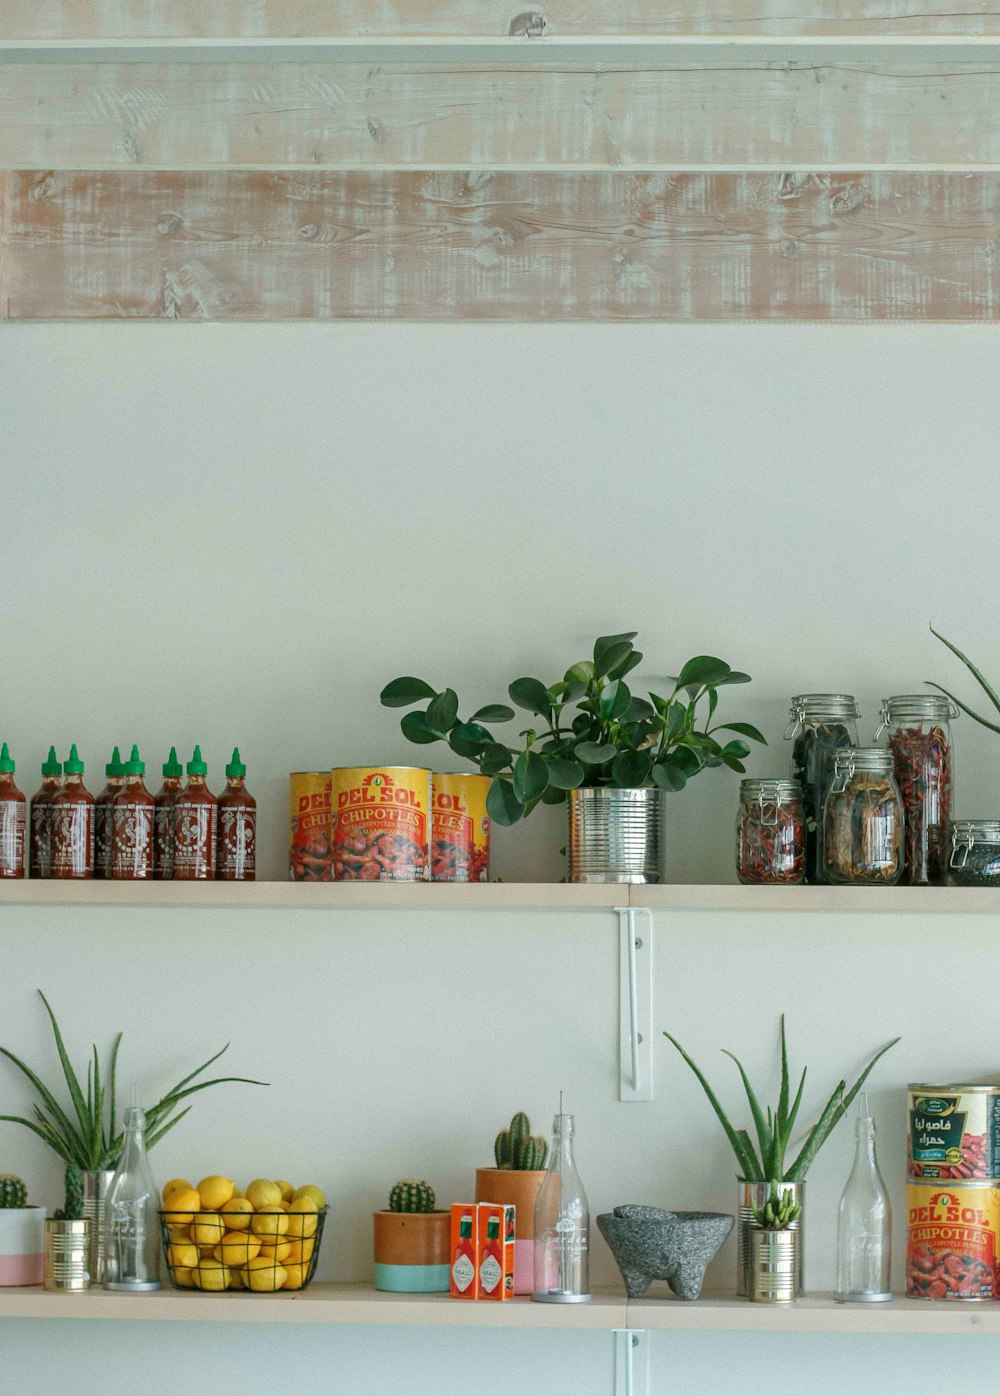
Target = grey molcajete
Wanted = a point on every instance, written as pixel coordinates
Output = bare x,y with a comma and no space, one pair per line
651,1244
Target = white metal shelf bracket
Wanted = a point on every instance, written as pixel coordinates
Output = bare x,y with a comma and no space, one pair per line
635,1003
631,1362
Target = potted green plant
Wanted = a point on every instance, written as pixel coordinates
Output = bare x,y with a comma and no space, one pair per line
520,1170
22,1234
85,1132
760,1168
774,1249
607,751
412,1240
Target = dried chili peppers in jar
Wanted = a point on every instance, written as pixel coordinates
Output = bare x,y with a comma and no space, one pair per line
862,830
771,832
821,725
975,853
920,741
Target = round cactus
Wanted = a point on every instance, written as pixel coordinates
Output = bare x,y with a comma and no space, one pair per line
411,1195
13,1192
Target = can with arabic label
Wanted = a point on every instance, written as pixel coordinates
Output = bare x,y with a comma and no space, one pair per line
460,828
380,823
954,1132
309,856
951,1240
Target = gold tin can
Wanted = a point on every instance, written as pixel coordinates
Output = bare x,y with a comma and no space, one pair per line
66,1259
309,856
380,823
951,1240
460,828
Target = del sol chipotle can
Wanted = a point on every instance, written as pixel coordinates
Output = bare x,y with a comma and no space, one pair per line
954,1132
460,828
380,823
951,1240
309,856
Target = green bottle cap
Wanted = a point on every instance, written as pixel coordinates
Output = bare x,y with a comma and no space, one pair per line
51,766
73,766
196,766
115,767
172,768
6,761
236,766
134,766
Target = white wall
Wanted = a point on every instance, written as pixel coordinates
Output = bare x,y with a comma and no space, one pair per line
220,534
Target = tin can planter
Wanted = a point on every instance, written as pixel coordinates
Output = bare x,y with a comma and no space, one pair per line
615,835
22,1245
755,1195
412,1251
774,1266
67,1255
517,1187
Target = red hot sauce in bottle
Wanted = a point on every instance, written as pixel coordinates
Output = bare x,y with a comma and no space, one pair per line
73,823
12,810
103,834
196,813
163,818
132,825
40,818
237,826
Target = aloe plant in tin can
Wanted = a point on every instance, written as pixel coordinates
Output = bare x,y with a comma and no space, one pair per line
609,753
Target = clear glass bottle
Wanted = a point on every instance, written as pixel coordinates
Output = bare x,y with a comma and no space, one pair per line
562,1225
862,833
132,1245
820,724
919,736
975,853
771,832
864,1225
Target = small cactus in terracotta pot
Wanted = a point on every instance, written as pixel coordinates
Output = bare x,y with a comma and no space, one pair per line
520,1167
411,1240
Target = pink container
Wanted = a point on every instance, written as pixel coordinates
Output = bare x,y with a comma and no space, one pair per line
22,1246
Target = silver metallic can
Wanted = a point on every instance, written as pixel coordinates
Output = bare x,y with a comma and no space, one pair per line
615,835
774,1263
755,1195
66,1255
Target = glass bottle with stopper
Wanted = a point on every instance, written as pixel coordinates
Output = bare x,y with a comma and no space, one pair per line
132,1249
562,1224
864,1226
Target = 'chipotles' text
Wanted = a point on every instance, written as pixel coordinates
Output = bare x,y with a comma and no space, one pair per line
379,823
951,1247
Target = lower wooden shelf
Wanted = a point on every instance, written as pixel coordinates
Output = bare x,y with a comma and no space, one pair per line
814,1313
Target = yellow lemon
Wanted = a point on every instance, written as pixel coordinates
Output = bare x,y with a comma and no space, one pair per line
295,1276
279,1251
300,1252
182,1253
302,1218
236,1213
263,1193
238,1192
183,1203
183,1277
175,1185
264,1276
269,1223
211,1274
236,1280
287,1189
315,1193
208,1229
237,1247
215,1191
179,1233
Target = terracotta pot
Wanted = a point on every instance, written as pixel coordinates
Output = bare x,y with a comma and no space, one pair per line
22,1245
520,1187
411,1251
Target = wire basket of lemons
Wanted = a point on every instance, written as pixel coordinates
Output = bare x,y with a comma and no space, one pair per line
263,1238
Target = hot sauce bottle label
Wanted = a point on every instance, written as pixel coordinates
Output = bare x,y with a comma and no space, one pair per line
103,836
163,840
71,832
194,838
237,841
132,847
11,835
463,1272
490,1273
41,839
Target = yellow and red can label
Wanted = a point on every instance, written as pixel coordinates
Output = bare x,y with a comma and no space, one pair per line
380,822
309,855
460,829
951,1241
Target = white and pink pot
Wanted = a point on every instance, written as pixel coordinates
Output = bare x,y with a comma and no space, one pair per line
22,1245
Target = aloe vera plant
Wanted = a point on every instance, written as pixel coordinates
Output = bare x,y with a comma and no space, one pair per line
779,1210
979,678
766,1162
86,1133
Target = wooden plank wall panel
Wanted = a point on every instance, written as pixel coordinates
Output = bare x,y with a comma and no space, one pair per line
541,246
356,115
250,19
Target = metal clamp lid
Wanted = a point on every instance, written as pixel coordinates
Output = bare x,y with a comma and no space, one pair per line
832,705
765,792
967,832
922,707
848,760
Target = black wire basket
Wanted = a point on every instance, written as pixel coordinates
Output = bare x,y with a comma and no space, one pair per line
201,1254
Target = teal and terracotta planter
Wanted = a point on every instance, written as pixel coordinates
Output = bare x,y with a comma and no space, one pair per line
411,1251
22,1245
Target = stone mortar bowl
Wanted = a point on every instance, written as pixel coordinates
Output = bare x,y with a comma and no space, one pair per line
651,1244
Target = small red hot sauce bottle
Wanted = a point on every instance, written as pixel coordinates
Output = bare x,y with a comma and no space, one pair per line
132,825
73,823
103,835
12,812
237,826
40,818
196,813
163,818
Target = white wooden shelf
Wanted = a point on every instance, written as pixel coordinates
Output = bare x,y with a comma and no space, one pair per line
813,1313
501,896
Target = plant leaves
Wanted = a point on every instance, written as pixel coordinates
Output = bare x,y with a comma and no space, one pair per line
532,695
703,671
745,729
976,717
611,650
468,739
495,758
502,804
595,753
737,749
565,775
553,795
614,700
415,728
631,769
627,665
734,676
639,710
402,692
580,673
979,678
531,776
836,1108
765,1129
733,764
493,712
742,1148
572,691
442,711
669,777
